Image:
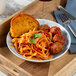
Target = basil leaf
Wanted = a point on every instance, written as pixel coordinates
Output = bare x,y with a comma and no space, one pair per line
32,40
33,35
38,35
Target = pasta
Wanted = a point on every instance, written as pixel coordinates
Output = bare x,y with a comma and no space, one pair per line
30,50
40,44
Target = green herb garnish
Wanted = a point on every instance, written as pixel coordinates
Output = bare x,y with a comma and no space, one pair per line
42,29
54,28
58,48
36,35
32,40
40,26
33,35
46,27
43,26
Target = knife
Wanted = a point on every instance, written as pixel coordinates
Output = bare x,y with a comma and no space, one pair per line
66,13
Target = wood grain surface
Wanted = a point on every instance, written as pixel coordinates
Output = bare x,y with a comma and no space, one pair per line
36,69
10,68
68,70
57,65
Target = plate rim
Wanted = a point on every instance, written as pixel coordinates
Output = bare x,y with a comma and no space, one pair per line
48,60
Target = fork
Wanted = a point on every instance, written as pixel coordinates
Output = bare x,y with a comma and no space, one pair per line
65,20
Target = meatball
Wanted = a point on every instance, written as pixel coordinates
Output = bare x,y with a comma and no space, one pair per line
59,38
55,30
56,48
45,28
46,33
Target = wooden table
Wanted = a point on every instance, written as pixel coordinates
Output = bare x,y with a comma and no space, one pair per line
19,67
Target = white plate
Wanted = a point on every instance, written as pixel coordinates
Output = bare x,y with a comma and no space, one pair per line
49,23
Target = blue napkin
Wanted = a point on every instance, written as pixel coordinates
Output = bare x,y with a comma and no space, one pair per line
71,8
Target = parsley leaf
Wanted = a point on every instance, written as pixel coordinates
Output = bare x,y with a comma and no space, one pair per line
32,40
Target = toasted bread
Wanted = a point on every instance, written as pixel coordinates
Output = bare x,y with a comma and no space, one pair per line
21,24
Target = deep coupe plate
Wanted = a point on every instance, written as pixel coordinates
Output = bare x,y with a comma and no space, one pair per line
49,23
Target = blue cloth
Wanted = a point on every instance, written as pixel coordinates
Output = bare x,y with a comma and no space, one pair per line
71,8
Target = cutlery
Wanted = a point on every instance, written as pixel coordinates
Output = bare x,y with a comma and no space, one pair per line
65,20
66,13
